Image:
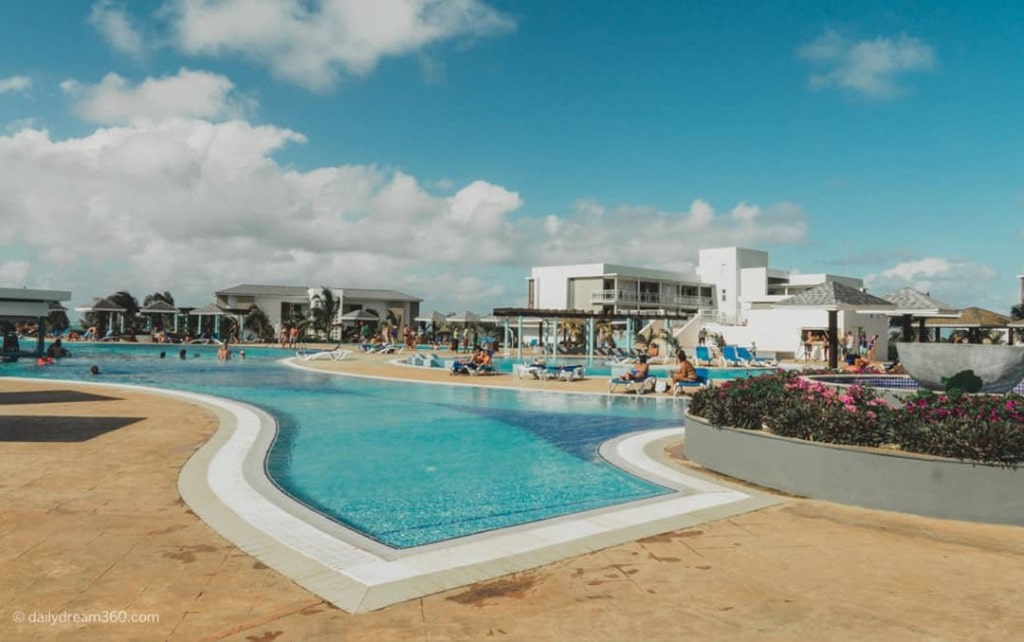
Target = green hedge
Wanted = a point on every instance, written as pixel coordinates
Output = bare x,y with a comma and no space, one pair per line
977,428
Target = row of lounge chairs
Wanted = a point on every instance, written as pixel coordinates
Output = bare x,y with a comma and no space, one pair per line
737,356
650,384
545,372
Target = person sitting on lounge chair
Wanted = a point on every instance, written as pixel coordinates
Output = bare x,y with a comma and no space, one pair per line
686,370
640,372
463,366
858,365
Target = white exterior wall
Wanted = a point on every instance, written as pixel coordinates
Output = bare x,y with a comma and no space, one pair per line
722,266
779,329
551,283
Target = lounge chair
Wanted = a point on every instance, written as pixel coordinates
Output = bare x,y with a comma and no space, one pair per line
537,370
634,385
566,373
703,357
334,354
689,387
756,362
731,358
484,369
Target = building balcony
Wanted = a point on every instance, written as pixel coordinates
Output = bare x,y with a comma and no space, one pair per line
631,298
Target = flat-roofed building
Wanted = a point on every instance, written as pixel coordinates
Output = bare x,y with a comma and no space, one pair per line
291,303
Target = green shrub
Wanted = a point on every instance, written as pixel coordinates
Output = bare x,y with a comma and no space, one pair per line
979,428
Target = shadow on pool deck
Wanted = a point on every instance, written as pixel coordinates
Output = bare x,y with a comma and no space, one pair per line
48,428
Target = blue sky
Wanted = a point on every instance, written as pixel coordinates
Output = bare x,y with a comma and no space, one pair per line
442,147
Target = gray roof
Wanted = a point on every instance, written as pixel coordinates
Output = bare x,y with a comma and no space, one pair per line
208,309
836,295
159,307
377,295
303,291
910,299
266,290
101,305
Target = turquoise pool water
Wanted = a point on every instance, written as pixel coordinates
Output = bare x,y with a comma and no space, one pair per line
404,463
598,367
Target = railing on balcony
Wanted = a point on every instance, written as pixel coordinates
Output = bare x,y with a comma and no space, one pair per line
630,297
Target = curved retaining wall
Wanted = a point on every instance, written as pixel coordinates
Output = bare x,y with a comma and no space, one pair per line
866,477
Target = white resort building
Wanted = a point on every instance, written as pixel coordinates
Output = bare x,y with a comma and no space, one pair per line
732,292
288,303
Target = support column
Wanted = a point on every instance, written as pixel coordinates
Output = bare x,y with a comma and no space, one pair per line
519,341
590,338
922,332
833,328
40,336
629,335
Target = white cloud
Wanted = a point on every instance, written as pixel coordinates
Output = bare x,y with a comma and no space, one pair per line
15,83
13,273
116,26
868,66
646,235
312,42
188,94
744,212
192,206
955,281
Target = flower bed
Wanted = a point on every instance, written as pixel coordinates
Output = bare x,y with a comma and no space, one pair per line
982,429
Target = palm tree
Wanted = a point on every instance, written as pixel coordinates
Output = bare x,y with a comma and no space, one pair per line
1017,312
605,332
324,311
645,341
671,343
124,299
258,322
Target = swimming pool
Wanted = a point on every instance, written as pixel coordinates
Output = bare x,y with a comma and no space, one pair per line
405,464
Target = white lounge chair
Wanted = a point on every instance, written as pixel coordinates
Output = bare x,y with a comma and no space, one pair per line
634,385
567,373
337,354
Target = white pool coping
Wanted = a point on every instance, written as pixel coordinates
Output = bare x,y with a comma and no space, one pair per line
224,483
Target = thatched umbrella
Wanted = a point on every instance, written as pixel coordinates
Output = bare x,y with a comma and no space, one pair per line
973,320
159,307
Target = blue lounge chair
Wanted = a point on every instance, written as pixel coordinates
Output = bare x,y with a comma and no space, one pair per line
751,360
682,387
702,355
731,358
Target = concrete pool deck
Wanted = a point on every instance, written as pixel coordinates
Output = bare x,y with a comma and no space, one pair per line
97,526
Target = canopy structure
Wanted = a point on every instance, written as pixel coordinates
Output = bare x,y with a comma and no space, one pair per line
833,297
23,304
160,307
101,305
465,318
913,304
211,310
355,316
972,319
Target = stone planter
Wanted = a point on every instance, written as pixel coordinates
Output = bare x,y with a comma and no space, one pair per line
999,367
869,477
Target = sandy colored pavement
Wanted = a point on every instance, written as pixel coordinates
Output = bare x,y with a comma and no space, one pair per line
94,526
